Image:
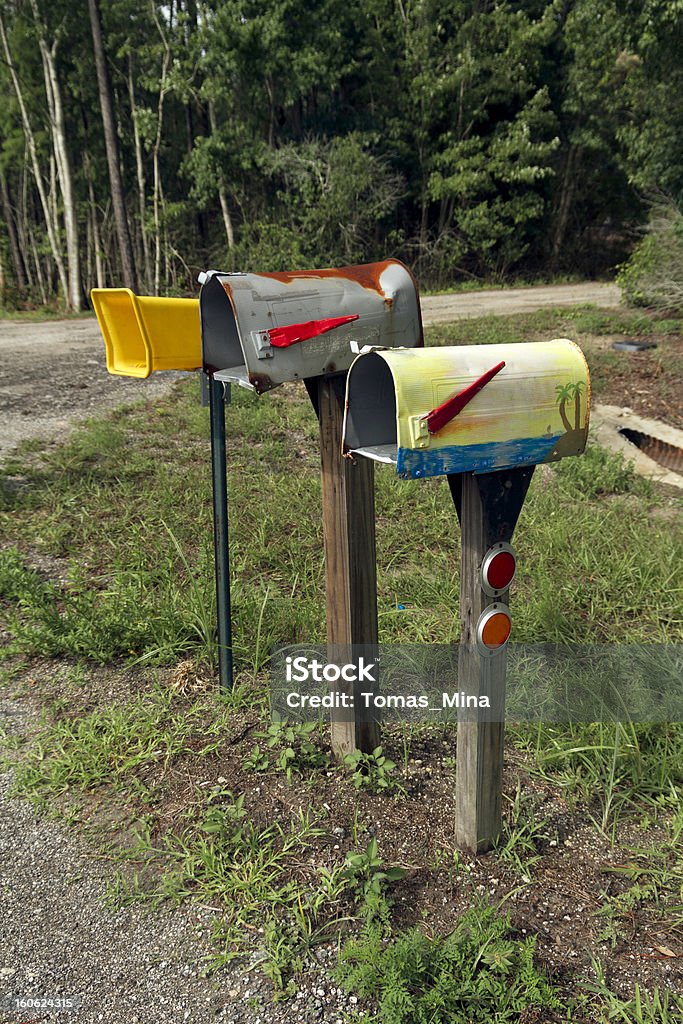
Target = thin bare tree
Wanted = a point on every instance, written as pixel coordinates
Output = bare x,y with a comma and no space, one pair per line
111,144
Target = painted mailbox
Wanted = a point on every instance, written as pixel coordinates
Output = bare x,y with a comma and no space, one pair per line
475,408
260,330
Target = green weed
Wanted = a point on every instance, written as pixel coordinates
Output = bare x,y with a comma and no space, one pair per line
479,974
288,748
367,874
659,1008
656,874
373,772
522,835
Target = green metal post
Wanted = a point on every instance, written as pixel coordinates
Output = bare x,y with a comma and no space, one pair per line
217,396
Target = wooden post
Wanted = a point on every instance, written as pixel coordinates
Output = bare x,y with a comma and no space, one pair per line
488,507
348,500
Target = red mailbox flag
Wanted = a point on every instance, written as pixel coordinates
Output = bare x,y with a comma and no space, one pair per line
283,337
444,413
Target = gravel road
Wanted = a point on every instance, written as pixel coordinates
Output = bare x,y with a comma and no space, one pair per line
57,937
53,374
60,939
438,309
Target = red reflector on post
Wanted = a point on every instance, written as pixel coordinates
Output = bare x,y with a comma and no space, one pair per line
493,629
498,569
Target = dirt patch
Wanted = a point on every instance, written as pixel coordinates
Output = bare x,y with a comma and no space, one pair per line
54,374
647,382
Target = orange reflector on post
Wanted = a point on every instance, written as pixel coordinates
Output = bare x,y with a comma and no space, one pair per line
493,629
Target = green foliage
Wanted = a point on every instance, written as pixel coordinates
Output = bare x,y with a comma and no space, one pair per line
479,974
372,771
467,139
653,275
288,748
367,875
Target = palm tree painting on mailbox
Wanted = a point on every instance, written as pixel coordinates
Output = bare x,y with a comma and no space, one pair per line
475,408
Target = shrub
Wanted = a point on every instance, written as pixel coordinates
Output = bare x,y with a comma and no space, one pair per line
654,274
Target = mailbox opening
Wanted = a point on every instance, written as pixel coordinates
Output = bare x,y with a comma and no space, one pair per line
222,351
371,417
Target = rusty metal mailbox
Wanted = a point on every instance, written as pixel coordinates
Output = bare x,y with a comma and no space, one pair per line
260,330
475,408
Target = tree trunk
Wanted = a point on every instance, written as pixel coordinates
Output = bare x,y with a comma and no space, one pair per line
112,147
140,172
15,250
50,224
40,277
157,194
97,244
157,199
22,221
56,112
222,195
566,197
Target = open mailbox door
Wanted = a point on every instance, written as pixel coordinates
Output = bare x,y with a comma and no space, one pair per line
260,330
144,333
475,408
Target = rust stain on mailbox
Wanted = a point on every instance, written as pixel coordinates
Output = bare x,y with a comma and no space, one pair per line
365,274
245,317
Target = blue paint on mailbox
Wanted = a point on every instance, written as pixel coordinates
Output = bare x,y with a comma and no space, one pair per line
480,458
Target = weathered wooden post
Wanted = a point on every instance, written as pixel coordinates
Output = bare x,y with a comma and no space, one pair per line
488,507
348,501
262,330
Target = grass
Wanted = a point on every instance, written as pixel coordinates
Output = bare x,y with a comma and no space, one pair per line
106,560
112,743
574,322
41,314
125,510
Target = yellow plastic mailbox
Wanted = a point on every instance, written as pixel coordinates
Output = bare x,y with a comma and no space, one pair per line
144,333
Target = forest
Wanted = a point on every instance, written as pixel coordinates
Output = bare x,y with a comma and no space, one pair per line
474,139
